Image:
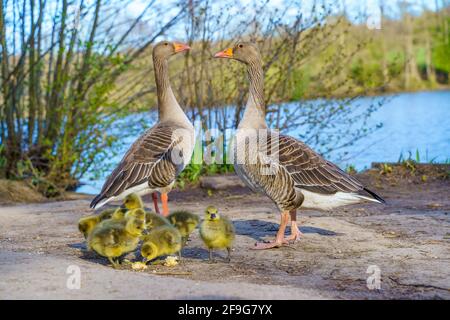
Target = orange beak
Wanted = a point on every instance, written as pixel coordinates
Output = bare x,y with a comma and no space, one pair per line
227,53
179,47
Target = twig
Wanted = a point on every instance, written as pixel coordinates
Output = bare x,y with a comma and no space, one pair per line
170,273
417,285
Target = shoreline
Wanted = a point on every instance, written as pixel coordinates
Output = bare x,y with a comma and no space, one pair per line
337,97
32,196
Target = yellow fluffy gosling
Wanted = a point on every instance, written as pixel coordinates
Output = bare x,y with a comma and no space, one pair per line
217,232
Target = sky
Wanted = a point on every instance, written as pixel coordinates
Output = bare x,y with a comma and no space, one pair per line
353,7
358,11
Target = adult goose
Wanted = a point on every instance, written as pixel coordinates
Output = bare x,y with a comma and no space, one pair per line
290,173
155,159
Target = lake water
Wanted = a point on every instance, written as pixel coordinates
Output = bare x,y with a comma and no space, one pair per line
411,122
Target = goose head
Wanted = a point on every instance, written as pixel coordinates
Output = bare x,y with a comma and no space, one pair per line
165,49
245,52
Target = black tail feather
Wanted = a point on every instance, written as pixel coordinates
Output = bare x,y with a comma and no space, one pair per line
96,200
374,195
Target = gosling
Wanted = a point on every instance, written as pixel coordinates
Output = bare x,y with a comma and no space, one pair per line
164,240
217,232
133,201
88,223
114,238
155,220
136,213
152,220
185,222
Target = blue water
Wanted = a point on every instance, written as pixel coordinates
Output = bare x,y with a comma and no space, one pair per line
411,122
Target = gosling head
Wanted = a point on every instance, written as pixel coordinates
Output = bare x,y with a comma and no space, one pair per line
165,49
119,214
135,227
133,201
138,214
85,226
245,52
172,241
211,213
149,250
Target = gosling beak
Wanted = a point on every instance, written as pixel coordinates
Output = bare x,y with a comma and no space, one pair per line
213,215
122,206
227,53
179,47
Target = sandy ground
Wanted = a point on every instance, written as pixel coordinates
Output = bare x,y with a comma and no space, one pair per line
408,240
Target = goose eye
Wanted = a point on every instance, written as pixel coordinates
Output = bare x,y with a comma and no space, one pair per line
166,44
240,46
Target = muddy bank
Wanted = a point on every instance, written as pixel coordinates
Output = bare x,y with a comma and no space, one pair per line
18,191
407,239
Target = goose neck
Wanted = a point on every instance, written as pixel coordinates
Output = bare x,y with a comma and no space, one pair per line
256,80
255,111
166,99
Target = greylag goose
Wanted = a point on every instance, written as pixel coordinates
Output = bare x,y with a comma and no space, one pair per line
298,177
155,159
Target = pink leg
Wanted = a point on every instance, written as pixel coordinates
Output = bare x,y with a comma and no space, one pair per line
295,231
279,239
155,201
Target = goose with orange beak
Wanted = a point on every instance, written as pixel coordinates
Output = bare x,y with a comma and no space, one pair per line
155,159
285,169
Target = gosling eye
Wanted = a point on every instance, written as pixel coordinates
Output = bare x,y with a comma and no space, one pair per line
166,44
241,45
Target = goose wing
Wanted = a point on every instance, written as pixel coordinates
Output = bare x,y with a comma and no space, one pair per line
149,159
312,172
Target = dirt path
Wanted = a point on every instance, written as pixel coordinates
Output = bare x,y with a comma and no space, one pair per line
408,240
